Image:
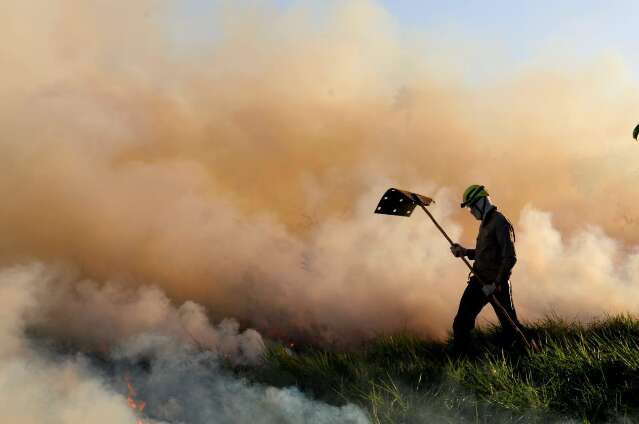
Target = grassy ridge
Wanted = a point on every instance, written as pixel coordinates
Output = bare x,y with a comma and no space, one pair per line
581,374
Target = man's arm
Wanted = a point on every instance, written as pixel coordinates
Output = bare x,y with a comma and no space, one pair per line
460,251
470,254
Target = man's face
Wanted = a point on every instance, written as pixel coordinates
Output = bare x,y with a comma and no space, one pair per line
475,209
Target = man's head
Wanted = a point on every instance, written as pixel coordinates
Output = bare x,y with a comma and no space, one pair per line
476,199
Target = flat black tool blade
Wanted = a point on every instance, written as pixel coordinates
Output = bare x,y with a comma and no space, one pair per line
400,202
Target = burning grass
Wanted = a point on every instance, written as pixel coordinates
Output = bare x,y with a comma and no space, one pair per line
583,373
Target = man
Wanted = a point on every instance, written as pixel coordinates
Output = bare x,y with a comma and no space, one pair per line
494,256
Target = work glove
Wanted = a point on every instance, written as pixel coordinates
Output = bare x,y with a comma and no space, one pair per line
458,250
488,289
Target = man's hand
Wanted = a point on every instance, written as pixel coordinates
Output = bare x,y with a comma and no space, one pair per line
458,250
489,289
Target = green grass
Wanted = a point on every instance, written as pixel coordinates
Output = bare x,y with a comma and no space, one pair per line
586,374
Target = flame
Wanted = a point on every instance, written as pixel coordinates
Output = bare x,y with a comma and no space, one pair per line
137,405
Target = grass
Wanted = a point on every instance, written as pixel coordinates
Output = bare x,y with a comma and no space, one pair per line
585,374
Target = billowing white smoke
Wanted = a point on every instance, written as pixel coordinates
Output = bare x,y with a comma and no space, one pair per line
45,377
92,316
581,277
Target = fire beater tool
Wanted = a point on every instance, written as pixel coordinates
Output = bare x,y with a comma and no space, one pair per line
402,203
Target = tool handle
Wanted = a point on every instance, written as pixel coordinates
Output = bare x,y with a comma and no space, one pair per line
439,227
432,218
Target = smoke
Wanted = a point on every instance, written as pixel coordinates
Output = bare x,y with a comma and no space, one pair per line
48,374
33,390
579,277
241,172
71,310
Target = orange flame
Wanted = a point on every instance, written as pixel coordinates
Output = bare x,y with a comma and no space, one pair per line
137,405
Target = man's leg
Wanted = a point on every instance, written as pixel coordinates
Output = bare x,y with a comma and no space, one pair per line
505,297
471,303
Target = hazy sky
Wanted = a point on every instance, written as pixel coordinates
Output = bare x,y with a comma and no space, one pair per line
519,32
527,28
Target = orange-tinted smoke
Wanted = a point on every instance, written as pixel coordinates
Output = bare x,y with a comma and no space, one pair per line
242,172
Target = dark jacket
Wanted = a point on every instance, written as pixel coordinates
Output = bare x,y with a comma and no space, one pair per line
494,253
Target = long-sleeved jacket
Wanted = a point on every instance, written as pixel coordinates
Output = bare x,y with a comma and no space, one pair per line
494,253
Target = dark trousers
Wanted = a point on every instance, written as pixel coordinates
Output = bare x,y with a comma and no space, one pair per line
472,302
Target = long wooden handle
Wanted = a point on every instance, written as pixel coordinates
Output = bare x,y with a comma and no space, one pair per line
492,299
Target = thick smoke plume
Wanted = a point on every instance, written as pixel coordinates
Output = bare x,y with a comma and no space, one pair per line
148,372
241,171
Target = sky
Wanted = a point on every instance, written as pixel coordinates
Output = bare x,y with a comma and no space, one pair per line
526,28
520,32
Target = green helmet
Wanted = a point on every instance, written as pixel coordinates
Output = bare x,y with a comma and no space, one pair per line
473,193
